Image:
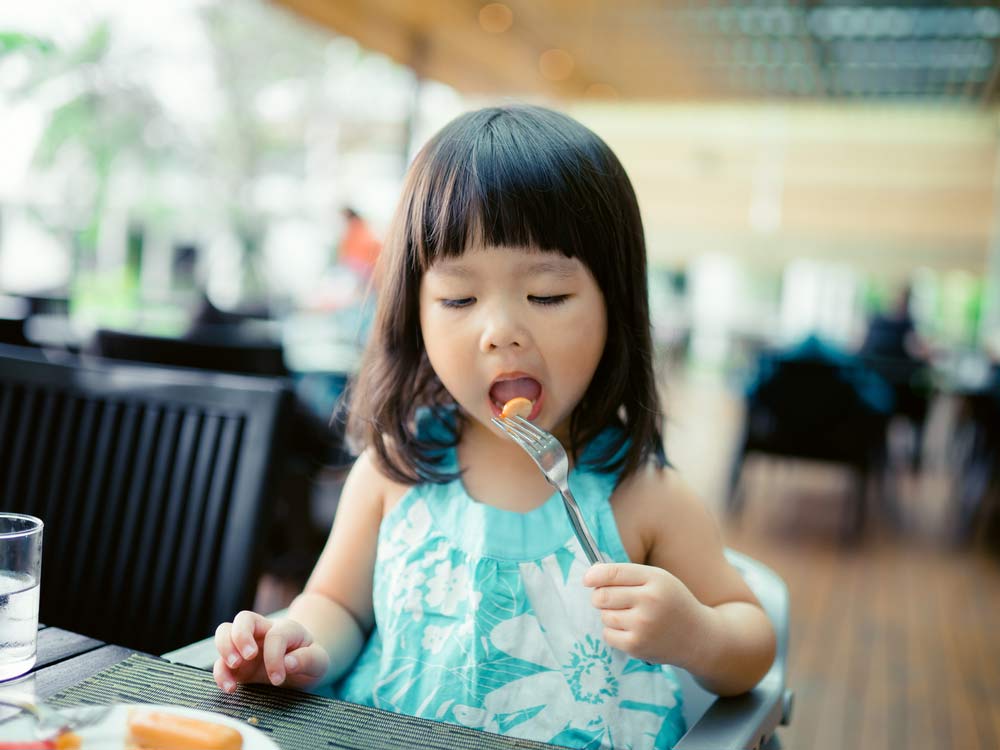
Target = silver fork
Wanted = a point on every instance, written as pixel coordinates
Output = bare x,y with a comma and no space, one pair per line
50,721
547,452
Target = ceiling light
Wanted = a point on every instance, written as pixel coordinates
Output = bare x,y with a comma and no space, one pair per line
495,18
556,64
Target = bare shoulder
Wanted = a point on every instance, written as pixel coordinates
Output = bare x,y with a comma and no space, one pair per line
654,503
678,532
368,482
652,483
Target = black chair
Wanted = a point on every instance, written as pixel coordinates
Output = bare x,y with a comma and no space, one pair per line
978,470
12,332
154,488
813,408
225,349
55,303
312,442
912,388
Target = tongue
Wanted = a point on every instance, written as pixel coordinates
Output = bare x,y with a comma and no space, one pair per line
505,390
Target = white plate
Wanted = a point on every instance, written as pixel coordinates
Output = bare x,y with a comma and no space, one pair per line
110,733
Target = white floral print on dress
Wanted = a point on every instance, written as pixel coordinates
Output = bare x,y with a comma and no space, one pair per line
587,686
450,586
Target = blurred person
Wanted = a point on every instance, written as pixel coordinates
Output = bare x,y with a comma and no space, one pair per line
452,586
893,348
359,247
347,289
893,334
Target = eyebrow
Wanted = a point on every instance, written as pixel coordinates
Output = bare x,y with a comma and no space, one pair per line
560,269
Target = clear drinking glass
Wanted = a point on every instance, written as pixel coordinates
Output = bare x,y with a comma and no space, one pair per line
20,578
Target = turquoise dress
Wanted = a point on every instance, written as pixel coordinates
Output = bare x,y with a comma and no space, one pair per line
481,619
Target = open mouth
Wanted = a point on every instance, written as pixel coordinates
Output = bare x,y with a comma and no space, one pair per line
505,388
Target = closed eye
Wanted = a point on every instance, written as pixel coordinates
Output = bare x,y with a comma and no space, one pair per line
457,303
556,299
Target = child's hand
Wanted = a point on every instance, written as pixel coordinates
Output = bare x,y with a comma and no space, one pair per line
647,612
253,648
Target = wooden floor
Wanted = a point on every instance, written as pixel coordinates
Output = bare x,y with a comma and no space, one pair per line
895,641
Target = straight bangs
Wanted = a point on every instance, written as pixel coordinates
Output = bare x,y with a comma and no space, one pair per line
523,177
515,178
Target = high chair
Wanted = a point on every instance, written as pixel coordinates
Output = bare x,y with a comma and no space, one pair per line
749,721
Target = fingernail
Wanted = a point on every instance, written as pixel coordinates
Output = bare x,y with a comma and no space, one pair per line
229,686
248,652
232,659
291,663
276,678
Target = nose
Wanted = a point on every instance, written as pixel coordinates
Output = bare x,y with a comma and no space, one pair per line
501,329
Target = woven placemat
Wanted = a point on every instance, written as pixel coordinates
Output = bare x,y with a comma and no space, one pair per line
294,720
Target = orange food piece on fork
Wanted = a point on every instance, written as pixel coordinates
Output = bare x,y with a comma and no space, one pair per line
517,406
163,731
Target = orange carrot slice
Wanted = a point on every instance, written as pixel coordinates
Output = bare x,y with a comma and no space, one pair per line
517,406
163,731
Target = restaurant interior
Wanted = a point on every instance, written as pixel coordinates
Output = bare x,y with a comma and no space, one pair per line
193,197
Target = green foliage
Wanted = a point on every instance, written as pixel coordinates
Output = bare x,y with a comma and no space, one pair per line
15,41
96,110
106,127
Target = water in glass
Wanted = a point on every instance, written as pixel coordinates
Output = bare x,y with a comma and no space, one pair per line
18,623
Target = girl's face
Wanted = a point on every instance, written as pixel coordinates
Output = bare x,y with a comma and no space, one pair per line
499,322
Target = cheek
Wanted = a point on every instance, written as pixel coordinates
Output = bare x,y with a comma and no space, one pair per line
446,349
577,356
593,324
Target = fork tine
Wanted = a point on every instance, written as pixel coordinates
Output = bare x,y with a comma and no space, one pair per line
517,438
524,424
508,428
526,435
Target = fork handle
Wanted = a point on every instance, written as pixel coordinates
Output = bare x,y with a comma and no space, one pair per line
583,535
22,704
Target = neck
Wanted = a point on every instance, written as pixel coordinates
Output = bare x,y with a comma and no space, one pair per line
498,472
479,440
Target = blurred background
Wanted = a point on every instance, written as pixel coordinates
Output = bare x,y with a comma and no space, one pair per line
206,184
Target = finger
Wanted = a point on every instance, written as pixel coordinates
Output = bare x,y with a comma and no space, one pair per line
223,677
619,639
615,574
614,597
306,665
284,637
248,629
615,618
225,646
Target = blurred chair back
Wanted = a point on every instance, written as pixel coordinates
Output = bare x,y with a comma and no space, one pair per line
818,407
812,408
218,352
978,463
12,332
153,486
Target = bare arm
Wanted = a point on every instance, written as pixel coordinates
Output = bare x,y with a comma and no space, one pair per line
687,606
336,605
326,626
739,644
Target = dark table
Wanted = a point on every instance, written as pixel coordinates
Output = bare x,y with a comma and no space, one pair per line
72,669
66,658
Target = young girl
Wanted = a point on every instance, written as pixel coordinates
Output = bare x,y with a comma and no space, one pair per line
452,586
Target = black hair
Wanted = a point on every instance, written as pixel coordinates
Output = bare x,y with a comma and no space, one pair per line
519,176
